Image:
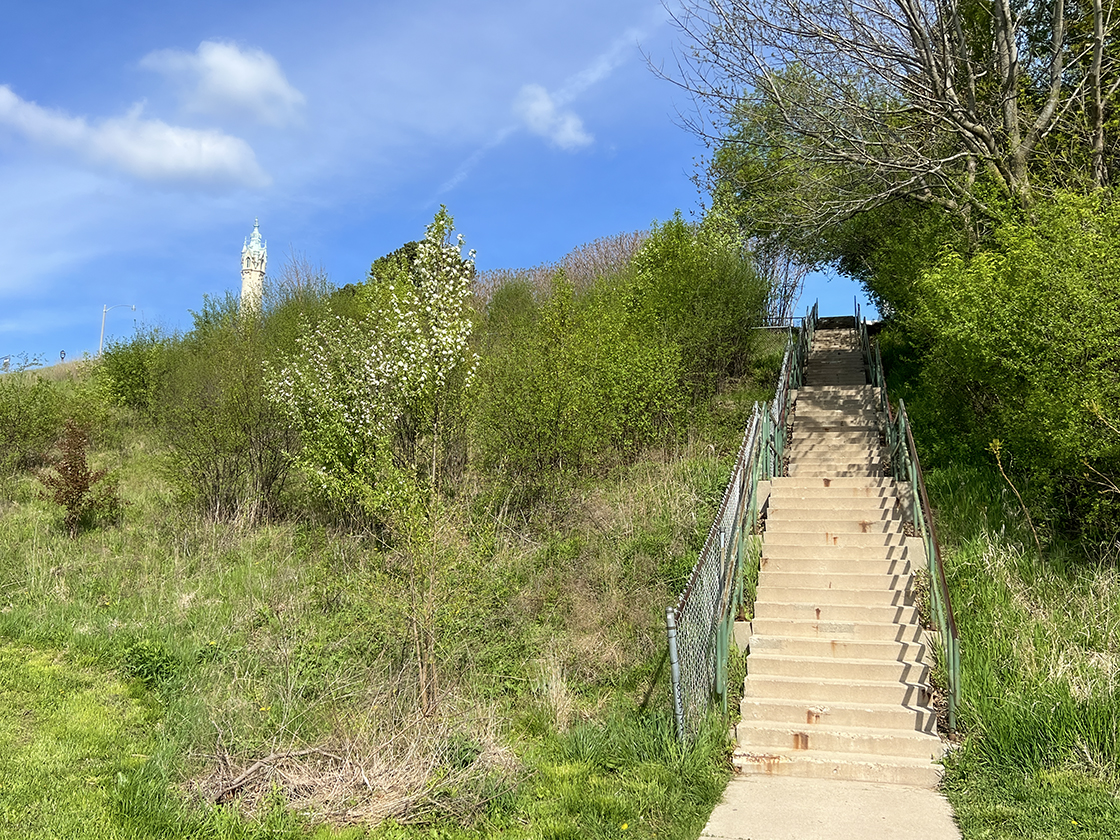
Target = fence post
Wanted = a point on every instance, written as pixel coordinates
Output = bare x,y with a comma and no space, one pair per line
675,670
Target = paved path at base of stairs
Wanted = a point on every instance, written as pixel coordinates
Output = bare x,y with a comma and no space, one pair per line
758,807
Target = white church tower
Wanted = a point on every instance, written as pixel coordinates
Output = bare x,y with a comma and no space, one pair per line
254,256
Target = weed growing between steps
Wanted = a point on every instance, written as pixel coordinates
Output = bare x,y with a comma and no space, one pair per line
1040,755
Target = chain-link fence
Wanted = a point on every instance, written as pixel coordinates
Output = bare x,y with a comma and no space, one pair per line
700,623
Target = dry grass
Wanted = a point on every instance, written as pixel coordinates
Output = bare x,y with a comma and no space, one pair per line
393,763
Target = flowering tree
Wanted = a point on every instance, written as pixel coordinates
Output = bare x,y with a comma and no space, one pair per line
373,400
363,392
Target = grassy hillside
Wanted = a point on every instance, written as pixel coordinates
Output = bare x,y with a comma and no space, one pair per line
242,648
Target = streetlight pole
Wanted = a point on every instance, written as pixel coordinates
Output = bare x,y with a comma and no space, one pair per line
104,312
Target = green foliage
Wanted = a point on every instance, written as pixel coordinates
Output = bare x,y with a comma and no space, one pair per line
574,380
30,416
697,289
1019,343
229,444
569,382
389,265
128,372
1040,754
85,495
376,400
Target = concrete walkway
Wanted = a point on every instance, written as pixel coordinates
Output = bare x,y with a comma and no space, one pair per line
786,808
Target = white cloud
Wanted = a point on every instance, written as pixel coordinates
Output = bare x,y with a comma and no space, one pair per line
221,79
539,111
146,148
543,112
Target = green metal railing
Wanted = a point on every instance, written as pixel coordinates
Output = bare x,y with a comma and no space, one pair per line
905,466
700,624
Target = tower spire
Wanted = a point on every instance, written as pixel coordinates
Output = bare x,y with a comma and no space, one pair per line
254,258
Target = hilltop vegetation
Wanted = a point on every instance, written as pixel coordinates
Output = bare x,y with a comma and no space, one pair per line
394,555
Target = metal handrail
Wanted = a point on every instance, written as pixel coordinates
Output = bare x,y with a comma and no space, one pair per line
905,466
699,634
939,586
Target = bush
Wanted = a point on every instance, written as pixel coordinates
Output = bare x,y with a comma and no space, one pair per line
229,445
30,416
85,495
570,382
695,287
129,372
1019,344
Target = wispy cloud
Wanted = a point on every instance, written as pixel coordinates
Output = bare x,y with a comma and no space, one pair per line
146,148
221,79
541,115
545,114
463,171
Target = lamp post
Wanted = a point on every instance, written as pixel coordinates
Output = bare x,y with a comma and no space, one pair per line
104,312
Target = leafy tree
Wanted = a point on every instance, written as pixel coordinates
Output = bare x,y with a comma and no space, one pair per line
1021,346
939,103
377,404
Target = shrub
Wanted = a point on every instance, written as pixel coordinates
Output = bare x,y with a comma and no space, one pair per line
128,372
695,287
83,493
30,416
1019,344
570,382
229,445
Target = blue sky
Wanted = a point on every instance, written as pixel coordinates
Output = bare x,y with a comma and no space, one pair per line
139,141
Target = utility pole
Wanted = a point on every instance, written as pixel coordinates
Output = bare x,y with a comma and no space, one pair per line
104,312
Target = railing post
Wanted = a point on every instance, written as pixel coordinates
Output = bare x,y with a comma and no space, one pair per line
675,670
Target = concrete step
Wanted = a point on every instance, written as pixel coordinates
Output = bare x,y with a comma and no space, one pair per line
868,437
827,581
761,736
863,614
826,472
854,392
914,772
837,629
807,484
823,564
835,379
826,647
807,410
810,530
867,464
813,426
871,487
804,418
863,458
823,690
806,514
821,502
809,446
785,590
825,553
838,668
820,498
875,715
776,540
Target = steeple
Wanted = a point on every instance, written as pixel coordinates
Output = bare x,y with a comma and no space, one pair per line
254,258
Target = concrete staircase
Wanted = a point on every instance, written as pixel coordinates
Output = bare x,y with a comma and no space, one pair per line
838,667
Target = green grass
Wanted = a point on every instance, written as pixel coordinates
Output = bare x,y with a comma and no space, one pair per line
70,735
1040,651
204,641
